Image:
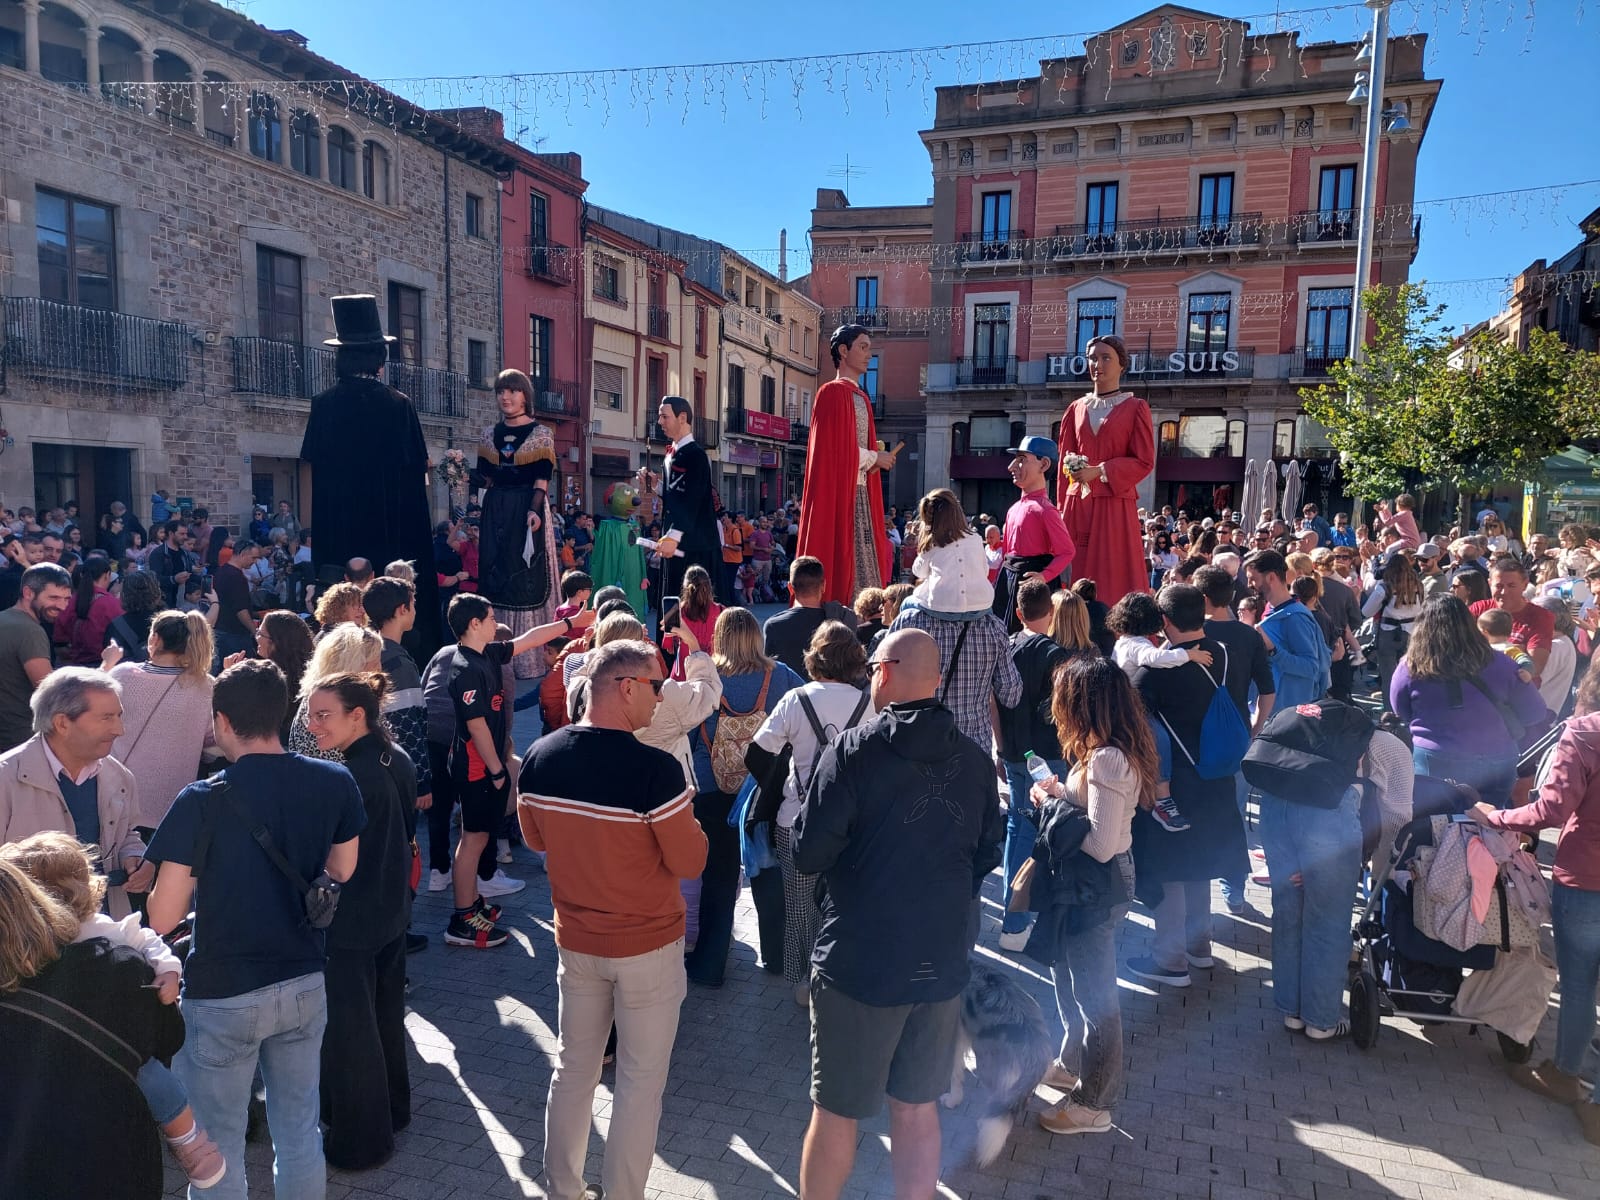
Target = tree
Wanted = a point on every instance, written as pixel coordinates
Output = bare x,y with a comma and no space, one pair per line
1417,406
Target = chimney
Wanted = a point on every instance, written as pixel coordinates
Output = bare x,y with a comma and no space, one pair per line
783,255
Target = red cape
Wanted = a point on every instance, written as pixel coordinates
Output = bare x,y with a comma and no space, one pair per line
828,498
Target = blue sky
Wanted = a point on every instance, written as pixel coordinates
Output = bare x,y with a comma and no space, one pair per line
724,169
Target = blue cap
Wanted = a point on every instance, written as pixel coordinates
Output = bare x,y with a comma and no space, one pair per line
1039,447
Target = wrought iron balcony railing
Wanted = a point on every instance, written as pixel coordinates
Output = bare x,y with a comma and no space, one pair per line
551,260
995,245
49,339
986,371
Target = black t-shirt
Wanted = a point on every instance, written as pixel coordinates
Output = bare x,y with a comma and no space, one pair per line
250,926
1028,726
789,633
1247,661
476,691
233,594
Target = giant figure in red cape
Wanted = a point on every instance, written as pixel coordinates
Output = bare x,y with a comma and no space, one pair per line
841,503
1100,502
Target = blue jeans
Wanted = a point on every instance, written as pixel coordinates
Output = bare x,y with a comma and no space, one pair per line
1576,915
1491,774
1091,1013
281,1025
1021,831
162,1091
1233,889
1311,920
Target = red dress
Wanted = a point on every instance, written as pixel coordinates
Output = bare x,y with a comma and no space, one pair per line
1103,516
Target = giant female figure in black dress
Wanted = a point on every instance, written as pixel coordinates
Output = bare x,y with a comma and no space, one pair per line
517,563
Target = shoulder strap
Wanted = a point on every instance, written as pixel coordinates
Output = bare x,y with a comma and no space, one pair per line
77,1025
955,657
154,708
811,715
861,707
262,837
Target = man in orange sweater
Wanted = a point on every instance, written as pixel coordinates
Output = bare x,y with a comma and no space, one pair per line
616,820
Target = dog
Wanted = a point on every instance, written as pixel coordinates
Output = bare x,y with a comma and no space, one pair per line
1012,1047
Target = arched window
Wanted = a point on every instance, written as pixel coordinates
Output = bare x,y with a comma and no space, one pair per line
266,127
1283,439
375,172
305,144
342,158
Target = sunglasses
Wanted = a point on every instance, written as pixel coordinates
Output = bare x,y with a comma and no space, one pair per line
655,684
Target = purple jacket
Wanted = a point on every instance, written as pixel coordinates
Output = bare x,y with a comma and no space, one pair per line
1471,725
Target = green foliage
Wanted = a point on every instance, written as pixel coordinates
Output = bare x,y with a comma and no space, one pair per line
1472,415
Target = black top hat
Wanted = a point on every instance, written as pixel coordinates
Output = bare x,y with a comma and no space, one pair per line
356,320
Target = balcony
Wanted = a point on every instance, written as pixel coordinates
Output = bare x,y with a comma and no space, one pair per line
994,246
1313,363
45,339
752,422
1161,366
265,367
799,433
878,319
986,372
556,398
551,261
1337,225
1155,235
658,322
707,432
436,393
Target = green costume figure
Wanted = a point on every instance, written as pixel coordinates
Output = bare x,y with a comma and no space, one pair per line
617,557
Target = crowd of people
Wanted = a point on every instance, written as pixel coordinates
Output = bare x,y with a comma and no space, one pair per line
213,807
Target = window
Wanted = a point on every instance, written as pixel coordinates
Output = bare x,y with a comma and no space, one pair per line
699,395
1327,324
342,158
405,322
608,279
610,386
77,251
735,386
1208,320
655,381
869,380
1167,439
1216,201
805,405
751,292
772,304
867,292
991,341
541,360
477,363
266,127
375,172
1203,435
539,218
1283,439
1100,209
1336,200
280,299
1096,318
474,216
794,337
730,283
996,217
769,394
700,330
305,145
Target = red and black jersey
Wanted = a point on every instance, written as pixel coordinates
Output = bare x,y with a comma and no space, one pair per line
476,690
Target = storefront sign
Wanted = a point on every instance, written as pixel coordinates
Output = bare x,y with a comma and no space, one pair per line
769,458
742,453
1140,363
764,424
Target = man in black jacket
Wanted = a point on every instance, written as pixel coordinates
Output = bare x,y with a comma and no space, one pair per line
902,820
686,498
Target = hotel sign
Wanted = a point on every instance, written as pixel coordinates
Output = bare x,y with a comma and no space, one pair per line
1143,364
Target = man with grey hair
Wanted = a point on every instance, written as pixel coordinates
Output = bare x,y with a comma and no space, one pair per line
25,652
64,779
616,819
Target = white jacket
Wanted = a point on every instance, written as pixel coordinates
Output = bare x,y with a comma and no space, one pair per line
684,704
954,578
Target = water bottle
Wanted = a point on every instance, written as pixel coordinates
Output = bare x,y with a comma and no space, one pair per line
1038,768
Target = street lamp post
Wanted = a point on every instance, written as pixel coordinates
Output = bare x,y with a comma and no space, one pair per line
1366,216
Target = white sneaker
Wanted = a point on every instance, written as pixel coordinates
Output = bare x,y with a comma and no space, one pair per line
500,885
438,881
502,850
1014,941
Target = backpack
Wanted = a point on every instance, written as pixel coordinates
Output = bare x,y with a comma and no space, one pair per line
734,733
1309,754
821,730
1224,735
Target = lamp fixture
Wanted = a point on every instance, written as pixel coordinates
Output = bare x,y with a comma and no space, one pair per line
1359,94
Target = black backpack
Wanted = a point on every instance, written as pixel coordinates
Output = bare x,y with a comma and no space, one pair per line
1309,754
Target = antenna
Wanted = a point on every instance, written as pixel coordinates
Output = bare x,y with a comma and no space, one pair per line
845,172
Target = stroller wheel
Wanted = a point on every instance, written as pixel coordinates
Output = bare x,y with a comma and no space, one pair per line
1364,1015
1515,1052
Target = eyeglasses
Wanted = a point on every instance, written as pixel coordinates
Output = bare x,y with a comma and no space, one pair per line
655,684
874,663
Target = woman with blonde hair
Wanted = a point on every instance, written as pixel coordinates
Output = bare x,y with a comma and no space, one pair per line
752,685
343,650
166,713
339,605
1069,621
50,1071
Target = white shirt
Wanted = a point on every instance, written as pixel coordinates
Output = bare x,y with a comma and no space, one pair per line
788,725
56,768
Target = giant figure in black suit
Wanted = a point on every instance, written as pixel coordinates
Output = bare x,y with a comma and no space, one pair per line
686,499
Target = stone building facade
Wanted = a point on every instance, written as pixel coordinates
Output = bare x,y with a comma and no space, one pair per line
178,207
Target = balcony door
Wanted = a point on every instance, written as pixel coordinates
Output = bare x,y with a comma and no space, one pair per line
991,342
1100,210
1327,326
1216,203
996,217
279,296
1336,203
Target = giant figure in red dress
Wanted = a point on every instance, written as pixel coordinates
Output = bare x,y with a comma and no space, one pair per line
1100,502
841,503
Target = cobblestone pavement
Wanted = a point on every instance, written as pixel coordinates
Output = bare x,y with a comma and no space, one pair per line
1221,1101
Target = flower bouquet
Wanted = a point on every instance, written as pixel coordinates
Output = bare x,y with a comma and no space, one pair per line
452,469
1072,464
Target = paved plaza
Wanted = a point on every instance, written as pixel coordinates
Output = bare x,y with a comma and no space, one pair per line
1221,1102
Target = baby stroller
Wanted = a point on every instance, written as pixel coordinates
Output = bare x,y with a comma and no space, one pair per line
1400,971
